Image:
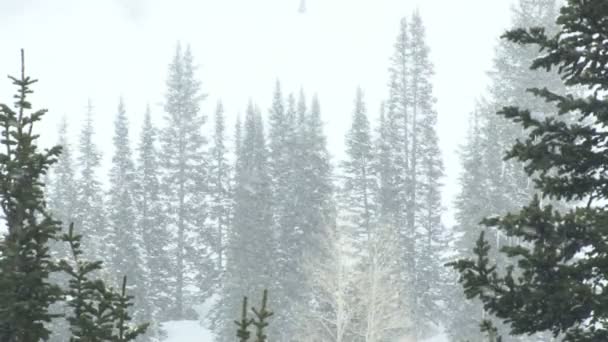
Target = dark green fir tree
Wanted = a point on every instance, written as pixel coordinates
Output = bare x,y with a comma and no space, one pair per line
554,280
25,261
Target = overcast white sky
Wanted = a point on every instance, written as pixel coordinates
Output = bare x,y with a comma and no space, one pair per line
102,49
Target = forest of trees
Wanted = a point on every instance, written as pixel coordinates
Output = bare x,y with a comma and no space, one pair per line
347,250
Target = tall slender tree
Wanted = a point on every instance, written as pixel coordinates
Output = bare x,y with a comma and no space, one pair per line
62,192
151,224
90,212
426,173
282,159
359,184
62,203
183,161
220,173
251,251
125,239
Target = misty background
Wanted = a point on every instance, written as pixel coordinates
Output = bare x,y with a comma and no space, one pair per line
101,50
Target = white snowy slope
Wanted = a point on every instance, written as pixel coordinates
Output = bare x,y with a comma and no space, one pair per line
186,331
192,331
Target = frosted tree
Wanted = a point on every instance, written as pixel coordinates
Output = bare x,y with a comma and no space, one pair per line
126,245
282,158
62,194
151,224
61,191
471,206
359,183
220,173
90,214
426,173
251,251
62,203
183,162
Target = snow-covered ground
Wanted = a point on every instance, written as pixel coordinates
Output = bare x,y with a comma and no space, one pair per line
186,331
192,331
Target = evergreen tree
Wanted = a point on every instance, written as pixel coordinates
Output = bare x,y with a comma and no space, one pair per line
99,313
62,203
282,158
125,239
220,192
409,170
90,212
62,192
553,282
471,206
509,187
151,224
397,183
494,186
25,260
426,173
359,183
184,176
251,250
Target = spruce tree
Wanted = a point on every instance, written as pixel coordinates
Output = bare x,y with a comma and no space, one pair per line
25,260
151,224
499,185
62,192
99,312
220,173
251,249
426,173
396,177
359,183
183,161
509,187
471,206
125,239
554,280
282,155
90,211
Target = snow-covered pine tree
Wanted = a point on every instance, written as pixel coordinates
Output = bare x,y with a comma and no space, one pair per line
61,192
183,164
409,169
283,152
151,224
25,260
397,183
359,181
125,240
251,251
426,173
472,205
90,214
62,202
316,204
220,207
